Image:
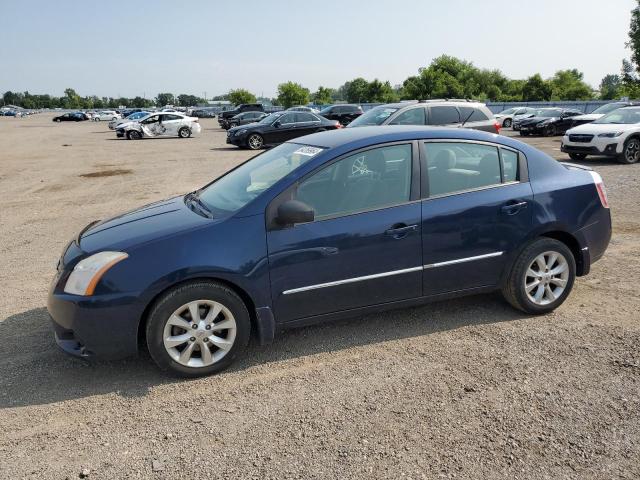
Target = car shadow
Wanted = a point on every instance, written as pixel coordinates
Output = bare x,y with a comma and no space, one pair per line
35,372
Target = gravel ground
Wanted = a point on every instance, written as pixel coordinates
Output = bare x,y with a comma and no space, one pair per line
468,388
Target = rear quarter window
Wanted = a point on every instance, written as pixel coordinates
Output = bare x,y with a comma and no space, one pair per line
443,115
473,114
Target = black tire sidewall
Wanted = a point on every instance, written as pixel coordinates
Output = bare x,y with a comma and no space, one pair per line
514,290
507,123
174,299
622,158
182,129
249,141
133,135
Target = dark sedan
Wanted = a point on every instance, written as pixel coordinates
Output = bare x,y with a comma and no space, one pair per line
344,113
71,117
277,128
548,122
245,118
333,225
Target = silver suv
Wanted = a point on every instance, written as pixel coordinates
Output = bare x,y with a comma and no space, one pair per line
453,113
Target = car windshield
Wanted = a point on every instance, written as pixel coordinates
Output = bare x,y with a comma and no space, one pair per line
621,116
375,116
238,187
507,112
609,107
270,118
548,113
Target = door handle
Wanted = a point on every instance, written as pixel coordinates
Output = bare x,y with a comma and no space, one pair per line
401,230
513,208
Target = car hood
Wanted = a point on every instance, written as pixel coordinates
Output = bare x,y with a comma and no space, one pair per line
151,222
596,128
590,117
535,120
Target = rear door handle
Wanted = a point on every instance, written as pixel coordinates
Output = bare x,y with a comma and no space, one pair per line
513,208
401,230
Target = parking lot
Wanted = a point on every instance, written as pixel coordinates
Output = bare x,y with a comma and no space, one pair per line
467,388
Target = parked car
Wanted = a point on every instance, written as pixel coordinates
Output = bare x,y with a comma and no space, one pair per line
548,122
10,113
160,124
71,117
336,224
113,124
223,117
303,108
616,134
203,113
245,118
106,115
506,117
433,112
600,112
343,113
277,128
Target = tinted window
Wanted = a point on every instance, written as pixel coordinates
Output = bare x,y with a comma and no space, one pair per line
305,117
375,116
373,179
444,115
473,114
287,118
171,117
454,167
413,116
510,170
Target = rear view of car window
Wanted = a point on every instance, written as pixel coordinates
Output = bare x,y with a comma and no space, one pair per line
444,115
456,167
510,171
471,114
413,116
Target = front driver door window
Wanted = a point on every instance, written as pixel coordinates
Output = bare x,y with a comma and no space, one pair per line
364,246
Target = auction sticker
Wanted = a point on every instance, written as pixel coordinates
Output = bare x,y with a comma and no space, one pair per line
308,151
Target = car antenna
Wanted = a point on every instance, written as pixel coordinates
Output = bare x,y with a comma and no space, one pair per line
467,119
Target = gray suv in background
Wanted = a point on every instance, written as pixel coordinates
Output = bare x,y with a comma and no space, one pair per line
452,113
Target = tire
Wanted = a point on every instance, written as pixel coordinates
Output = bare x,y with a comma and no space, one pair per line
560,284
174,305
577,156
58,120
524,134
114,119
233,125
133,135
255,141
549,131
184,132
507,123
631,151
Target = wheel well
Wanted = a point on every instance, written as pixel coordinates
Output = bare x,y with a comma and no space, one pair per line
244,296
573,245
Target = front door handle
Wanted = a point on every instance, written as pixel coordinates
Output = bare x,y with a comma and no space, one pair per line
401,230
513,208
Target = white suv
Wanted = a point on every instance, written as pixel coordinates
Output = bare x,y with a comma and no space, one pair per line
617,134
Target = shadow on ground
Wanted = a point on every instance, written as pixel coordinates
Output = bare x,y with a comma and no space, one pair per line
34,372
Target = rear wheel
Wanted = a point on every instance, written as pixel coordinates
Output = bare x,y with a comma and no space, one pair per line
631,152
197,329
133,135
541,277
550,131
577,156
255,141
184,132
507,123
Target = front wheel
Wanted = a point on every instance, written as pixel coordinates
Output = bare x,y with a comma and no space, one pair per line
541,278
577,156
550,131
197,329
255,141
133,135
184,132
631,152
507,123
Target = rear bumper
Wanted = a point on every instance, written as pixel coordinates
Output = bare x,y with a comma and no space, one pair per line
594,239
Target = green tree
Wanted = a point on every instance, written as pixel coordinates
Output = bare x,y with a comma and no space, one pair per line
71,99
165,99
291,93
568,85
241,95
536,89
610,87
322,96
356,90
380,92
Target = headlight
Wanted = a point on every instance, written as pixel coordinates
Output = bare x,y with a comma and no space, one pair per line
610,135
241,132
87,273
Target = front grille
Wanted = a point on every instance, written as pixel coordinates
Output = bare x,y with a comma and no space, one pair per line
581,138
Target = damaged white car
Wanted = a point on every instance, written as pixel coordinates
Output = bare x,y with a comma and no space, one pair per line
159,125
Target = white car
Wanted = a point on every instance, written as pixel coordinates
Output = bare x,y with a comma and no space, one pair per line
617,134
600,112
106,115
113,124
159,124
506,117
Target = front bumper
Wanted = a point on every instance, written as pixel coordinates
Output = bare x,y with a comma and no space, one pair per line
597,146
238,141
119,133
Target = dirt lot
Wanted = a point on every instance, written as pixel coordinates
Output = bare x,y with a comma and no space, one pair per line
467,388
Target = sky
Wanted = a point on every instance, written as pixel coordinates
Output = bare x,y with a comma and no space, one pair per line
123,48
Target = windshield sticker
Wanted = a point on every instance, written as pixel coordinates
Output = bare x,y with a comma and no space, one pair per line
308,151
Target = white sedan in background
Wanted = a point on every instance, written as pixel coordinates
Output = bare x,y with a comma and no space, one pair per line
506,117
106,115
159,124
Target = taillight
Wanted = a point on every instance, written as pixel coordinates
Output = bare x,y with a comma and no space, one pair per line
602,191
497,127
339,125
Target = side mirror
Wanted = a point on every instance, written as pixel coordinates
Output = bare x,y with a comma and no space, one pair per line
294,211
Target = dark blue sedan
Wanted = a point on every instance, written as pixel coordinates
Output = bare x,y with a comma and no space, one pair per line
335,224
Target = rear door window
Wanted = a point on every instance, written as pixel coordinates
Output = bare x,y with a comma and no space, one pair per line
413,116
444,115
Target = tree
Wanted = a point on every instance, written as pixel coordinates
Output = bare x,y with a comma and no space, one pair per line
185,100
322,96
356,90
241,95
536,89
610,87
291,93
634,37
380,92
165,99
71,99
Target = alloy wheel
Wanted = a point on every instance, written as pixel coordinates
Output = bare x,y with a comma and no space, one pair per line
199,333
632,151
255,141
507,123
546,278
